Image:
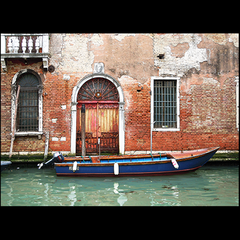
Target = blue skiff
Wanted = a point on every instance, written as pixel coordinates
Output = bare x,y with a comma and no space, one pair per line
134,165
4,164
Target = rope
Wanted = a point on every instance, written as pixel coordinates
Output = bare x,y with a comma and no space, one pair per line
83,159
160,155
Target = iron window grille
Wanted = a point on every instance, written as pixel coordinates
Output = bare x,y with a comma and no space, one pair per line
165,104
27,114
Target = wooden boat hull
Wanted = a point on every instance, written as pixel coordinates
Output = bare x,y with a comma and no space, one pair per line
134,165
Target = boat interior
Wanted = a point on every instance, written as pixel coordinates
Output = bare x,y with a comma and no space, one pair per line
137,158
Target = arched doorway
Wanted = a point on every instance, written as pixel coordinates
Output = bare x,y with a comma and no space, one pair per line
101,100
121,112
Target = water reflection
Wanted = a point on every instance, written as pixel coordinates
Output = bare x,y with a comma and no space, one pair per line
10,193
72,195
122,197
207,186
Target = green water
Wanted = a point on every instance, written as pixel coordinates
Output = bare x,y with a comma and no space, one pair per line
208,186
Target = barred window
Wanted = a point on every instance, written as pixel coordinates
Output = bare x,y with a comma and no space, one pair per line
27,115
165,104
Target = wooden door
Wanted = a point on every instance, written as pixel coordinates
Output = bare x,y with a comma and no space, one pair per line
108,127
101,122
100,97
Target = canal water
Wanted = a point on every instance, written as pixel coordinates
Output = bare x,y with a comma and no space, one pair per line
208,186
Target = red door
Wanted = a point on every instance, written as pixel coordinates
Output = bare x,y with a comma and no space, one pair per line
100,97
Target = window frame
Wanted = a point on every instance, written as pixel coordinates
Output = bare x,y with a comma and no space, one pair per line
177,79
40,107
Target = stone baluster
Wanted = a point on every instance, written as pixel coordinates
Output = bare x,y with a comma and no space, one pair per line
24,45
37,45
10,45
15,44
40,43
30,44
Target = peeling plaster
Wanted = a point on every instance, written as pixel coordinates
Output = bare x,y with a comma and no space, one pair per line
97,40
223,38
211,81
76,55
176,66
235,39
120,37
127,81
56,47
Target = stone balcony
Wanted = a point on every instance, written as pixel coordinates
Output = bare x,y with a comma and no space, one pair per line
24,46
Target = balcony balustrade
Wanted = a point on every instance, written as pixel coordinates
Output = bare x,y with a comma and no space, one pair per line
24,46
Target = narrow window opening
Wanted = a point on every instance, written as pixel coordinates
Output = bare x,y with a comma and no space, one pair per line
165,104
28,113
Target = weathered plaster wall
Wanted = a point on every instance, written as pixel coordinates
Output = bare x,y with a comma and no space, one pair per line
122,54
185,56
207,65
125,56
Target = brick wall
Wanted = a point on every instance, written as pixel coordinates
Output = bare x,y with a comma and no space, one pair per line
5,111
137,114
56,112
23,144
207,65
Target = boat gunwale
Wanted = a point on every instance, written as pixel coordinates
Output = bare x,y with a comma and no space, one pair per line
120,157
98,164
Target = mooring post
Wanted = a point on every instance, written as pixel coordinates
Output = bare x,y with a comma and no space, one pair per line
83,130
46,145
151,127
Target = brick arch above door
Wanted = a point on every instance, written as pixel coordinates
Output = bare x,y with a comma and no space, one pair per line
74,110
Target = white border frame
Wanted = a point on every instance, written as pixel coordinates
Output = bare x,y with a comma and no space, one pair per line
152,104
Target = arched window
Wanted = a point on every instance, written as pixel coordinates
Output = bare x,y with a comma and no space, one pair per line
27,116
29,108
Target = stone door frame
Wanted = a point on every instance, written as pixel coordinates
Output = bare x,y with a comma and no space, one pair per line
74,110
